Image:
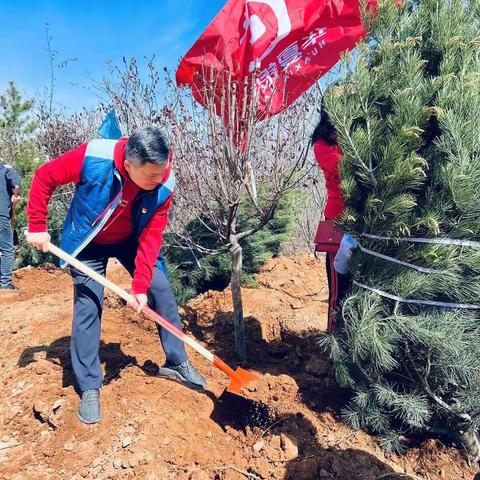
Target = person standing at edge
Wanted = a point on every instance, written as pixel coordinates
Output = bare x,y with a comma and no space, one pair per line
328,155
9,198
122,196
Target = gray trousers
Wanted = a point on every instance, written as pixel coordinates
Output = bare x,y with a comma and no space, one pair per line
87,312
6,251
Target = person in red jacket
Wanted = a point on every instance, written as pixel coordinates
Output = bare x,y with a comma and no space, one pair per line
328,155
123,191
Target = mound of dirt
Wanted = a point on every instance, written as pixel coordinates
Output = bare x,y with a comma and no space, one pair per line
155,429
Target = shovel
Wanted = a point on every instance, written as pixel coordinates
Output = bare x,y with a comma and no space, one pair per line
238,378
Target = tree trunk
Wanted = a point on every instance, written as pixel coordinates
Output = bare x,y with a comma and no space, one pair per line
238,321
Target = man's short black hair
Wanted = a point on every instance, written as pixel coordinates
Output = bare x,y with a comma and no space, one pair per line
147,145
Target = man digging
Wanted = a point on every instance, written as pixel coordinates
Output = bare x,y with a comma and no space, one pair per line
122,196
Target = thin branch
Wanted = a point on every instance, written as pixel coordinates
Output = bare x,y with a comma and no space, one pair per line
424,381
259,225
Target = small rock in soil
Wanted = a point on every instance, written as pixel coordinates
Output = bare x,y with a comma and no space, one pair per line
273,448
275,442
58,404
289,446
43,366
117,463
257,446
40,410
68,447
126,442
53,421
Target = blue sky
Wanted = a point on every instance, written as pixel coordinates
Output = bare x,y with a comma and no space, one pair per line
92,32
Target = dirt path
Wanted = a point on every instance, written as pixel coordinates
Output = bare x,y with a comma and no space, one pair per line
156,429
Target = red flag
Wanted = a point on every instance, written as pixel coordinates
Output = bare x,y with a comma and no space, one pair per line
289,44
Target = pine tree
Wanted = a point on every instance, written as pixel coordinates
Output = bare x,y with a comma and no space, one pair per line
15,124
407,113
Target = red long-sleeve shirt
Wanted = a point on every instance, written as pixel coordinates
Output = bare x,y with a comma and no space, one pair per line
328,158
67,168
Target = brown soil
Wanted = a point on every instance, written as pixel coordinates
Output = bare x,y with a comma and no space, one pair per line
157,429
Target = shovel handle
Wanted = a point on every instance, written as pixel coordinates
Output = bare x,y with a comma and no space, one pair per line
129,299
90,273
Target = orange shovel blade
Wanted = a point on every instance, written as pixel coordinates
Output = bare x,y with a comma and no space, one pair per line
240,379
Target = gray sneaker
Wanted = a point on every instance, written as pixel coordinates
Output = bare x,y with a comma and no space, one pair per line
89,410
184,373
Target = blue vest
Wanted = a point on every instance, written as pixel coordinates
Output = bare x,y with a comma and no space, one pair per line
97,195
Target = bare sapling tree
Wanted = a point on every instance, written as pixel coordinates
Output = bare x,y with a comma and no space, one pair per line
228,162
235,162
